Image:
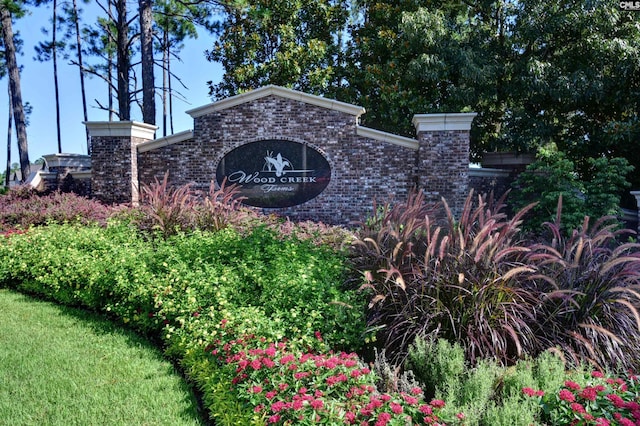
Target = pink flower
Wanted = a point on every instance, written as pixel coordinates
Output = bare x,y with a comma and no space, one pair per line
572,385
566,395
317,404
426,409
600,421
271,351
374,402
437,403
278,406
626,422
589,393
632,405
256,364
597,374
616,400
350,417
416,391
318,336
350,363
529,391
268,362
287,359
409,399
256,389
271,394
578,408
396,408
383,419
274,419
460,416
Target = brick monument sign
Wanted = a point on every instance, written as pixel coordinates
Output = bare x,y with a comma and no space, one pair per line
290,153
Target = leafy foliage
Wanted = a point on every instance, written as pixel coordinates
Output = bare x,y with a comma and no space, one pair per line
487,394
553,176
293,44
207,294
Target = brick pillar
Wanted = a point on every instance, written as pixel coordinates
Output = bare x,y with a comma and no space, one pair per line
443,157
114,159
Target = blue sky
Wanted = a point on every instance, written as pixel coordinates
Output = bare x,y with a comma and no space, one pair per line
38,90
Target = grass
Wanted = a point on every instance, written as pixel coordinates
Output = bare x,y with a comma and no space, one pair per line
62,366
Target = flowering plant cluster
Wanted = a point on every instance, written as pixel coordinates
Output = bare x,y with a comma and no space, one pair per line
11,232
601,401
287,386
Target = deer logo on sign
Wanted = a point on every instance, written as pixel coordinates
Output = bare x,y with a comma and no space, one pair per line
278,163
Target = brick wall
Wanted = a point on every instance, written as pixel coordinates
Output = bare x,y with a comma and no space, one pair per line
366,165
114,157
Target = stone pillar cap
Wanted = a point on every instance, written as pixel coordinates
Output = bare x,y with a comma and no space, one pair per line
121,129
443,122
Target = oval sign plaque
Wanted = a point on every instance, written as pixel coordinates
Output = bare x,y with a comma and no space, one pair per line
275,173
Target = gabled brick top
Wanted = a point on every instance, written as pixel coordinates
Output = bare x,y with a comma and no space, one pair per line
262,92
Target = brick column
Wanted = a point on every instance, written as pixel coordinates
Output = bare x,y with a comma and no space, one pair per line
114,159
443,156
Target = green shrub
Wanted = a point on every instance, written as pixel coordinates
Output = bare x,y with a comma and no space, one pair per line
442,369
553,176
295,284
486,393
207,292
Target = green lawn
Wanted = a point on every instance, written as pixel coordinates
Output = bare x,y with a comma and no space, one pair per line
61,366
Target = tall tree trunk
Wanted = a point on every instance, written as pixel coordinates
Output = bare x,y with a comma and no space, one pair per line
165,71
123,64
54,53
146,44
110,73
14,84
7,178
76,20
170,92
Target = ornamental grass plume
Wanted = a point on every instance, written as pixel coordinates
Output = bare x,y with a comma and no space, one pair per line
447,278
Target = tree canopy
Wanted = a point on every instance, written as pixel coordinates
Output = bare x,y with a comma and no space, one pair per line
562,72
